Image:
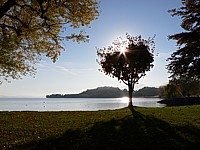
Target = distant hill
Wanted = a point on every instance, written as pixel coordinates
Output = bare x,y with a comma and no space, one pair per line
146,92
100,92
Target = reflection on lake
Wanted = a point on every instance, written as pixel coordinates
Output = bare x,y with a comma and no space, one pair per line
73,104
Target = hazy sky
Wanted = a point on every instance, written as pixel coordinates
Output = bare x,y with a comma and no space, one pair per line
77,70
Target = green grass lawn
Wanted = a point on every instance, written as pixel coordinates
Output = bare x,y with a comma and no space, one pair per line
152,128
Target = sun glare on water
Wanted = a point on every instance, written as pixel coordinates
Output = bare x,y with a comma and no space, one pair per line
124,99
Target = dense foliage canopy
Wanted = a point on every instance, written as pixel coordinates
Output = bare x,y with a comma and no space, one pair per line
127,60
185,61
30,29
130,64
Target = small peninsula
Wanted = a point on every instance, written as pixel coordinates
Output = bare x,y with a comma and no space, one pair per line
100,92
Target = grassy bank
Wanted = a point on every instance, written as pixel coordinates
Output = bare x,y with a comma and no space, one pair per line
151,128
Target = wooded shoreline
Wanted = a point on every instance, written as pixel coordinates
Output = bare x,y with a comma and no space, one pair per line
181,101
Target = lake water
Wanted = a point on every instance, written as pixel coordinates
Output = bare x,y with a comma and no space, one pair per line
73,104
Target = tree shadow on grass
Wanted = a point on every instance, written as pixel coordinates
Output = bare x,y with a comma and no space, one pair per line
131,132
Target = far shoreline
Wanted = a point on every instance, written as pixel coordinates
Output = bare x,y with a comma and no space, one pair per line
184,101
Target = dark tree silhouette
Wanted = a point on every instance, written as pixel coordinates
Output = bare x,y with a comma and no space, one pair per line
185,61
127,60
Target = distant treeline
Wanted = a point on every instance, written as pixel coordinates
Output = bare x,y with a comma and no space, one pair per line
109,92
147,92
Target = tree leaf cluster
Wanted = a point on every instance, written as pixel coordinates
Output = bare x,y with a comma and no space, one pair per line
185,61
31,29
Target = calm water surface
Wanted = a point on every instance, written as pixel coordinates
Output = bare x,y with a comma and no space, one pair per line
73,104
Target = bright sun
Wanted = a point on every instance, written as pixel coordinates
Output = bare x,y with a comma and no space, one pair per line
123,50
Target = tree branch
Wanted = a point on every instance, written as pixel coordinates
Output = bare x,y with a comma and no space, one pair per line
43,11
124,82
142,75
6,7
11,27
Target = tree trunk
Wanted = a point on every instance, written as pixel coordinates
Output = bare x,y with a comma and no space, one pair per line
130,95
